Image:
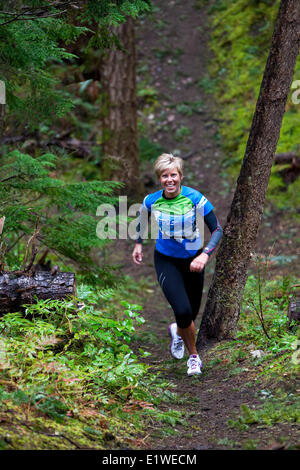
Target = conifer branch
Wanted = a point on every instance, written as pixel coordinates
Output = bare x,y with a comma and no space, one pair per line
35,13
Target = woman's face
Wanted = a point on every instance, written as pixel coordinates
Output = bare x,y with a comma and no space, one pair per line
170,181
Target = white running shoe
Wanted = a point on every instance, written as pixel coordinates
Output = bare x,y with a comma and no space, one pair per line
194,365
176,344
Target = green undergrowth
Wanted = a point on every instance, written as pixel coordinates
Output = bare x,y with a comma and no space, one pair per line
280,407
240,41
70,377
267,350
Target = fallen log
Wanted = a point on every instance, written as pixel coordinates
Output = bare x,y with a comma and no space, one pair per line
289,173
79,148
288,157
17,290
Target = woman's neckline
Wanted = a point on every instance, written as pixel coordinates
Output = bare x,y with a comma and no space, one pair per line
171,198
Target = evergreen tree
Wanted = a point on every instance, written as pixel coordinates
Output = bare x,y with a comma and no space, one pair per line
33,35
61,215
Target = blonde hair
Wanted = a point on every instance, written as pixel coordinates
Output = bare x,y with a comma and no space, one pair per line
167,160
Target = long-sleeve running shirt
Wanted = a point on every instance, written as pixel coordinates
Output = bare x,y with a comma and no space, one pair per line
180,223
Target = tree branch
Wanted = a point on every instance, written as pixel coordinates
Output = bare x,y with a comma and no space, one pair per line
35,13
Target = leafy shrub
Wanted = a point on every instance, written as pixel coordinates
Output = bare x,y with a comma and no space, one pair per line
60,348
271,331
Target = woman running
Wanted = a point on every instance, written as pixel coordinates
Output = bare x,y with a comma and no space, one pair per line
179,257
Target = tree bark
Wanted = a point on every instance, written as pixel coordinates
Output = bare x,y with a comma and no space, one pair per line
223,305
119,112
16,291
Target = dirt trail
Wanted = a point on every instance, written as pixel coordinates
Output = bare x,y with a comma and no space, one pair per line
206,402
174,47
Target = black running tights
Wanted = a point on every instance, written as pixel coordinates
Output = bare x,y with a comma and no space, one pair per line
181,287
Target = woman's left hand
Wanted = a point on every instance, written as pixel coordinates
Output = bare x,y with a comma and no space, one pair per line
198,264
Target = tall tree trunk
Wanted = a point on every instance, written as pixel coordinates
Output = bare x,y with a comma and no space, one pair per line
223,305
119,111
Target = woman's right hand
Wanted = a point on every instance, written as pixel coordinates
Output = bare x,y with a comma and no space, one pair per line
137,254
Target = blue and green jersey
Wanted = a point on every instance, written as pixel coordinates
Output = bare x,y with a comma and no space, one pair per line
179,221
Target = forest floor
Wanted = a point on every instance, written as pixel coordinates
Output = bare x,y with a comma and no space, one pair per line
172,57
173,54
